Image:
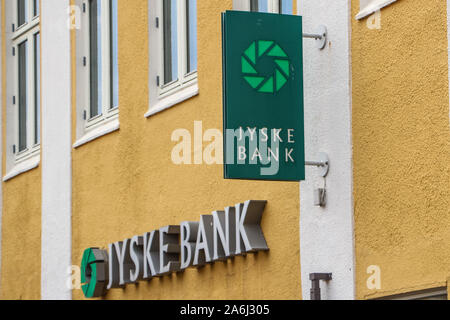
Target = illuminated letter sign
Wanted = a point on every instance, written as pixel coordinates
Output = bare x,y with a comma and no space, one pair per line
222,235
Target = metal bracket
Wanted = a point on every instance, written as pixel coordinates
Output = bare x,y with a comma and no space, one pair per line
323,164
321,37
315,283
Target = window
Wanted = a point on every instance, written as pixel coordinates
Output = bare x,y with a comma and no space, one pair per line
25,42
285,6
173,52
37,88
36,8
98,72
367,7
179,35
102,60
269,6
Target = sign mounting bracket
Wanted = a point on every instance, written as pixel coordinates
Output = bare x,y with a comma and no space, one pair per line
323,163
321,37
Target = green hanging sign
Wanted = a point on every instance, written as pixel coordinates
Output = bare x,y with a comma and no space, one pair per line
263,96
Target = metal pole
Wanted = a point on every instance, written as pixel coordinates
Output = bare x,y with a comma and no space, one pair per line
315,283
316,163
315,290
320,37
323,163
312,36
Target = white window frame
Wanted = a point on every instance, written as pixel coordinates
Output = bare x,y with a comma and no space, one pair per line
367,7
90,128
164,96
273,6
17,161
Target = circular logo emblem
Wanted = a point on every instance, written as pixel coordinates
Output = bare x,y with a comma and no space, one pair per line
94,268
253,59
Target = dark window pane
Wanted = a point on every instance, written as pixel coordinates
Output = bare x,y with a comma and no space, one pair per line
35,8
22,11
170,41
22,64
286,6
191,18
95,57
259,6
37,88
114,56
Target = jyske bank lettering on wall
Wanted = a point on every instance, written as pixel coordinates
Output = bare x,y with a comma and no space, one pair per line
216,237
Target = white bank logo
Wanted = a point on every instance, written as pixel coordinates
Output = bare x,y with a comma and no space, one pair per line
219,236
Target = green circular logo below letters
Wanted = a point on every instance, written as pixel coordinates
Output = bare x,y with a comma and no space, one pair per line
251,58
94,273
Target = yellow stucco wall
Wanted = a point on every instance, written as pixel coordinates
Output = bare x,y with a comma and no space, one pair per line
401,147
21,237
125,184
21,222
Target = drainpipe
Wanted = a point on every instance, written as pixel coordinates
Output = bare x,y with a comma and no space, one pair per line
315,283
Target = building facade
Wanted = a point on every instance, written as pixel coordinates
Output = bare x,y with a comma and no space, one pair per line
111,128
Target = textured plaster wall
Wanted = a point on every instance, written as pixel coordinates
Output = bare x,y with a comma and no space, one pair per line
56,151
21,225
125,184
401,147
326,234
21,237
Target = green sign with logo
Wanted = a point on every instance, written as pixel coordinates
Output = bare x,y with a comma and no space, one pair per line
263,96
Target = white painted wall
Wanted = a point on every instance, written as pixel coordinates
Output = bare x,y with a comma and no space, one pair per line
56,150
326,234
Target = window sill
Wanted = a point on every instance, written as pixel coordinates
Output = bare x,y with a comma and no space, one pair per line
173,99
23,167
100,131
377,5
